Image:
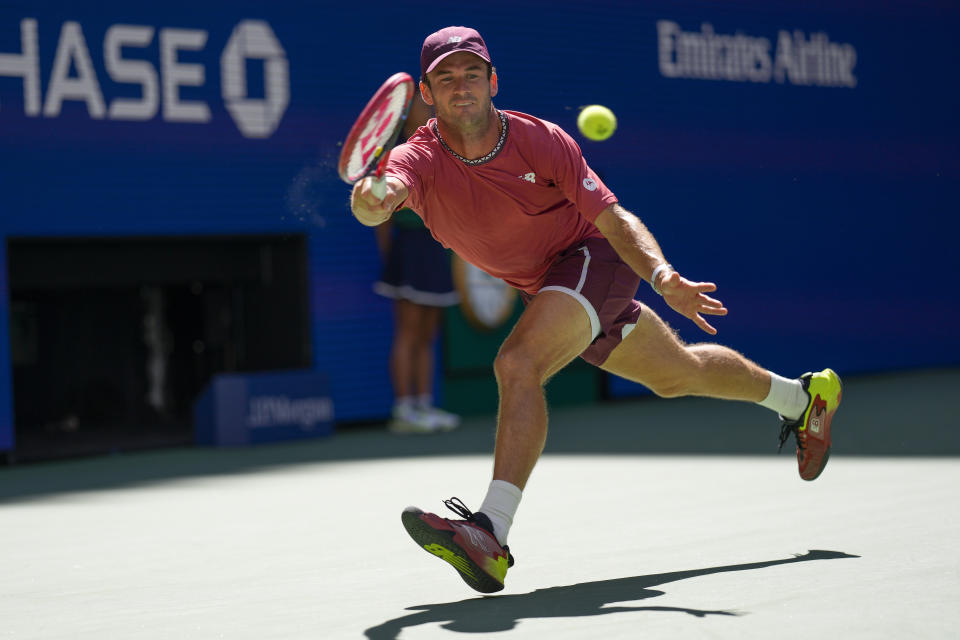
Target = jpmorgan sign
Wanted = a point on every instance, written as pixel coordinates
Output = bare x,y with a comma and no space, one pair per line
74,78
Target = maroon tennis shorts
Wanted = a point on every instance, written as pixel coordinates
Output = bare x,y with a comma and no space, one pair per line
598,279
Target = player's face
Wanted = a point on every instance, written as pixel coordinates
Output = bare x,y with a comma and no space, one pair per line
460,91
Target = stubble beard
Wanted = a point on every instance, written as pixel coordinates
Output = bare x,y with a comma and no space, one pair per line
470,124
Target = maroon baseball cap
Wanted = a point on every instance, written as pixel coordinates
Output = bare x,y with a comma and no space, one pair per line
450,40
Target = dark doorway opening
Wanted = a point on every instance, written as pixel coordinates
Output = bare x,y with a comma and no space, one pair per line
112,339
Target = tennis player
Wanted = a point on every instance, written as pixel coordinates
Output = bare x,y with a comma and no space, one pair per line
513,195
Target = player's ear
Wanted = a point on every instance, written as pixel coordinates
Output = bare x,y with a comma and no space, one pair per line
493,82
425,93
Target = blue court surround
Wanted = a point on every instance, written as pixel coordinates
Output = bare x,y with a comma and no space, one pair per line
826,213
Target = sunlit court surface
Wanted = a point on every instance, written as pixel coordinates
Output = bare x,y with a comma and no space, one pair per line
647,518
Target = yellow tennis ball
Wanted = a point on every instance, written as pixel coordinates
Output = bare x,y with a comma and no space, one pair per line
597,122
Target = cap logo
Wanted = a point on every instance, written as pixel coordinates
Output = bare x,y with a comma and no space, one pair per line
454,39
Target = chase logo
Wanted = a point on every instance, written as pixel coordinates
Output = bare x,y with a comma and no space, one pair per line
158,82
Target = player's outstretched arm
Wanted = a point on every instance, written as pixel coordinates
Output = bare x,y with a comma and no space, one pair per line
637,247
371,210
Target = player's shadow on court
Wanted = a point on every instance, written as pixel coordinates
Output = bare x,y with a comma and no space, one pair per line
502,613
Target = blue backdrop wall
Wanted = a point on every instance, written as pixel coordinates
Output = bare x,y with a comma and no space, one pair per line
803,155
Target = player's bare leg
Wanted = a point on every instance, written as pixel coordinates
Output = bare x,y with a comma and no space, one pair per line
553,330
654,356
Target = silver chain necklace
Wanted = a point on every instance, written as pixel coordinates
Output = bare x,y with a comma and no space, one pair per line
487,158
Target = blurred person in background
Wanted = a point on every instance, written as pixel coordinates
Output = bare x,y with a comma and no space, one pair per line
416,276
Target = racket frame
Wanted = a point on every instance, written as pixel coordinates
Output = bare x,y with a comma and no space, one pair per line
377,162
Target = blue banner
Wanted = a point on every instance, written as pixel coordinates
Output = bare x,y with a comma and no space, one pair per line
802,155
242,409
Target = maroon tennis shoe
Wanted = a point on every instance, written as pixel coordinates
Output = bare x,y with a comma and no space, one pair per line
812,429
468,545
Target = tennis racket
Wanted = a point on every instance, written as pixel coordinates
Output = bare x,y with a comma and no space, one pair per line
375,133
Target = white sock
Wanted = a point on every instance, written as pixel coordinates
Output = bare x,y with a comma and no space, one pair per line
425,401
786,397
404,404
500,505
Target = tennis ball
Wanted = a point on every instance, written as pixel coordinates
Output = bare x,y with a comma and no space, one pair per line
597,122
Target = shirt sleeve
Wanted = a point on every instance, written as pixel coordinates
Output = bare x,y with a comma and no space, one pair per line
576,180
404,164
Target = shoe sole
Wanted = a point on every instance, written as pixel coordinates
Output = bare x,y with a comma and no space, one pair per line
440,544
823,465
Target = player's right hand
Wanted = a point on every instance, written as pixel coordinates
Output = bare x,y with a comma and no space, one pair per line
372,210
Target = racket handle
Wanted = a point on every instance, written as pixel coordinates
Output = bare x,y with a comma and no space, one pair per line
379,187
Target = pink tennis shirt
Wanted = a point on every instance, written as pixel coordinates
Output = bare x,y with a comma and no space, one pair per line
512,212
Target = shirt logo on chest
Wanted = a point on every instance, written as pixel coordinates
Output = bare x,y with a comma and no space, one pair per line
529,177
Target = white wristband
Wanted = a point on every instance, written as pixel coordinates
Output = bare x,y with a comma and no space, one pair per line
663,266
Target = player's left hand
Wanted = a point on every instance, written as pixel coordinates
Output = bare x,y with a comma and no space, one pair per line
689,299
